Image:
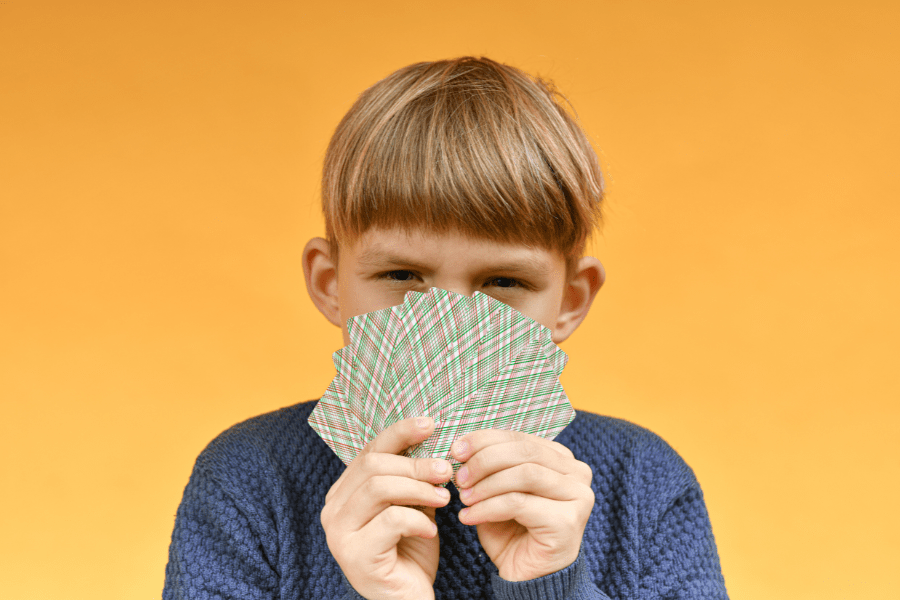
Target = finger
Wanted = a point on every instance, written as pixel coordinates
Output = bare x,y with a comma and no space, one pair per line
401,435
533,512
469,444
424,469
383,534
504,455
528,478
380,493
373,464
393,440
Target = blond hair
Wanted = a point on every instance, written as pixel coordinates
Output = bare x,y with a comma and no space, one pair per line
469,145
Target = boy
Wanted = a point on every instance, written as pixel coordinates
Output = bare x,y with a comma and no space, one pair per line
464,175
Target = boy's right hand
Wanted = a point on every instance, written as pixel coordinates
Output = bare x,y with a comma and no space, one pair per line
386,549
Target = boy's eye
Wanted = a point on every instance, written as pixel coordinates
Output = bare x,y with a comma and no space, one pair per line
405,276
400,275
504,282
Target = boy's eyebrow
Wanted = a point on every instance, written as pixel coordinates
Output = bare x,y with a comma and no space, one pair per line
527,265
378,257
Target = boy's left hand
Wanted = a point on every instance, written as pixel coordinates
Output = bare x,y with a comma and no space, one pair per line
529,497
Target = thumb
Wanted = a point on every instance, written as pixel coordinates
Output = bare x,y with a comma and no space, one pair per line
401,435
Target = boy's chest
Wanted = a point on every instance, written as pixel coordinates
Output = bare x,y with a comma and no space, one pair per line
308,570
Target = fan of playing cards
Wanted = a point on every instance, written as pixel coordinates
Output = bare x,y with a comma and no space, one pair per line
469,363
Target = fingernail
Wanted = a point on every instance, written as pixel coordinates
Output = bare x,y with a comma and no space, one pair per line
462,475
460,448
464,494
440,467
442,493
423,422
463,513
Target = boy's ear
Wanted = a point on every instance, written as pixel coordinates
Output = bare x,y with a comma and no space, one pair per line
320,272
578,296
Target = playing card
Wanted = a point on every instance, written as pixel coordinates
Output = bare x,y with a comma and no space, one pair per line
468,362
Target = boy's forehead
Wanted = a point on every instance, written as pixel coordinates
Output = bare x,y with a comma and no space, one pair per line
388,246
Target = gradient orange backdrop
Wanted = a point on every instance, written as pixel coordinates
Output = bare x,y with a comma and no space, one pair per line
158,180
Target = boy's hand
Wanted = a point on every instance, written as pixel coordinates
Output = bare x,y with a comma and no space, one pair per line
386,549
530,498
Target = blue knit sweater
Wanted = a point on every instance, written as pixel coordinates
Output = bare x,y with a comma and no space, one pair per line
248,526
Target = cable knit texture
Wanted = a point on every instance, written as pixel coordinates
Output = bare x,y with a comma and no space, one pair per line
248,526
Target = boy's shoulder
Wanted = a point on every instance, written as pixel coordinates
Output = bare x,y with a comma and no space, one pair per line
281,435
268,456
610,435
621,452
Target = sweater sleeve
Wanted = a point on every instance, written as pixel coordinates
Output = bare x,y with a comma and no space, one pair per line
681,560
676,550
571,583
649,536
681,563
217,551
214,551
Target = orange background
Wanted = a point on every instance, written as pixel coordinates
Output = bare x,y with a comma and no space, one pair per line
158,180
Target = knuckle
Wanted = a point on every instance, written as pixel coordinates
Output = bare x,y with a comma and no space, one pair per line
529,452
506,435
366,449
573,521
515,500
394,585
376,464
572,517
563,450
585,472
369,462
393,517
531,473
373,487
587,499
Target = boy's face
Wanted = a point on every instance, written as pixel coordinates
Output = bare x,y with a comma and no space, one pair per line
378,270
